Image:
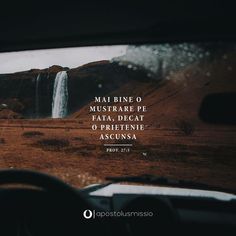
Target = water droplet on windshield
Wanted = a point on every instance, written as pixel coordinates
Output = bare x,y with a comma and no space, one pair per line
155,52
225,56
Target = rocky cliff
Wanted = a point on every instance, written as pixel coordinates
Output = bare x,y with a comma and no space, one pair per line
18,90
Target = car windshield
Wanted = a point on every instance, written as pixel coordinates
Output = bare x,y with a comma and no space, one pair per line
86,113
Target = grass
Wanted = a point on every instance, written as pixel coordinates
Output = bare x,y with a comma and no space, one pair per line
2,141
185,126
30,134
79,151
78,138
53,144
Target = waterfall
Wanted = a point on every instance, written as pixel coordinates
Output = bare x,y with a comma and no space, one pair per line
37,94
60,95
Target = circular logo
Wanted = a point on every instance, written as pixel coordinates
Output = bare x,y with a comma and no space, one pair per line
88,214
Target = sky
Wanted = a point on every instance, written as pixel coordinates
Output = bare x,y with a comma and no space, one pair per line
67,57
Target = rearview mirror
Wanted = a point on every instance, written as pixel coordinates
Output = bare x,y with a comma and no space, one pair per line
219,108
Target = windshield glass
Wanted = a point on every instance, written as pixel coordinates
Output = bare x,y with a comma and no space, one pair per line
86,113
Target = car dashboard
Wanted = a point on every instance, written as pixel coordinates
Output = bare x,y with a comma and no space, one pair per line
184,210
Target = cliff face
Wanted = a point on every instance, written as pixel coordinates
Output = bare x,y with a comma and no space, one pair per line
18,90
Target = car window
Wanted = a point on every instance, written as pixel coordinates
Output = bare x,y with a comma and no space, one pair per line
86,113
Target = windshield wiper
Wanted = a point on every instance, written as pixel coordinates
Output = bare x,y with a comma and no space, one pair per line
164,181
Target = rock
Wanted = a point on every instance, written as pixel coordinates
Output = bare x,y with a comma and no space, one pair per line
55,69
13,104
9,114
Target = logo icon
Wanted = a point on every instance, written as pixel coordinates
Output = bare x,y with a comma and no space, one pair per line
88,214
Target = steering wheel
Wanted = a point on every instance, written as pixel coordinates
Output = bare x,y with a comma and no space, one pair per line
37,179
51,207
